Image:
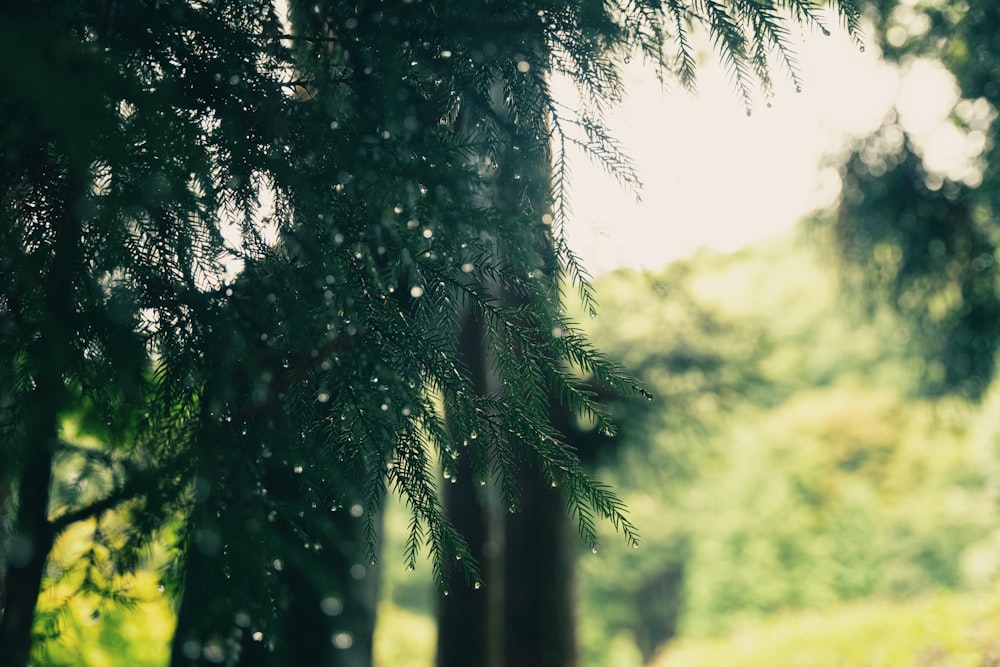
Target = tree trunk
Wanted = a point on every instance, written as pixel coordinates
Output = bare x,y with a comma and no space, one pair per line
29,545
539,618
271,579
318,612
523,616
469,618
330,621
526,618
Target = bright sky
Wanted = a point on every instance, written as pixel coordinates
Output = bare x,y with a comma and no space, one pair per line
714,177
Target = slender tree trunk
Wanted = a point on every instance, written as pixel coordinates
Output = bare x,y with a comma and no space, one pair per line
29,546
540,557
332,601
524,616
527,617
469,619
33,535
467,615
207,616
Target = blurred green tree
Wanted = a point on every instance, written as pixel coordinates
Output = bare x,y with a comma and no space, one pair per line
919,239
785,465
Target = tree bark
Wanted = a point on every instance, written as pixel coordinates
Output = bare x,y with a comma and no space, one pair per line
48,355
330,620
469,619
319,612
540,554
271,580
29,545
527,617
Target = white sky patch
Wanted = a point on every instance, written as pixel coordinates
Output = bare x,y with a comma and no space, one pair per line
714,177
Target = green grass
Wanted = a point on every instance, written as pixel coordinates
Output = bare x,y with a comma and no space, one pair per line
946,630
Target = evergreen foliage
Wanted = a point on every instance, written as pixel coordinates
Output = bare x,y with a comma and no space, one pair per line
237,248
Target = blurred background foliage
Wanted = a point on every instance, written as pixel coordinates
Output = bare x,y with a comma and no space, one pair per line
822,478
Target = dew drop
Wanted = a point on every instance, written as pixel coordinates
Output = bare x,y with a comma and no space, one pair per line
331,606
191,649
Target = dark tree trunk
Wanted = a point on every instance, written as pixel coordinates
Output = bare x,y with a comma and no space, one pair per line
526,618
539,618
332,598
216,613
320,611
464,614
469,618
271,580
29,545
524,615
